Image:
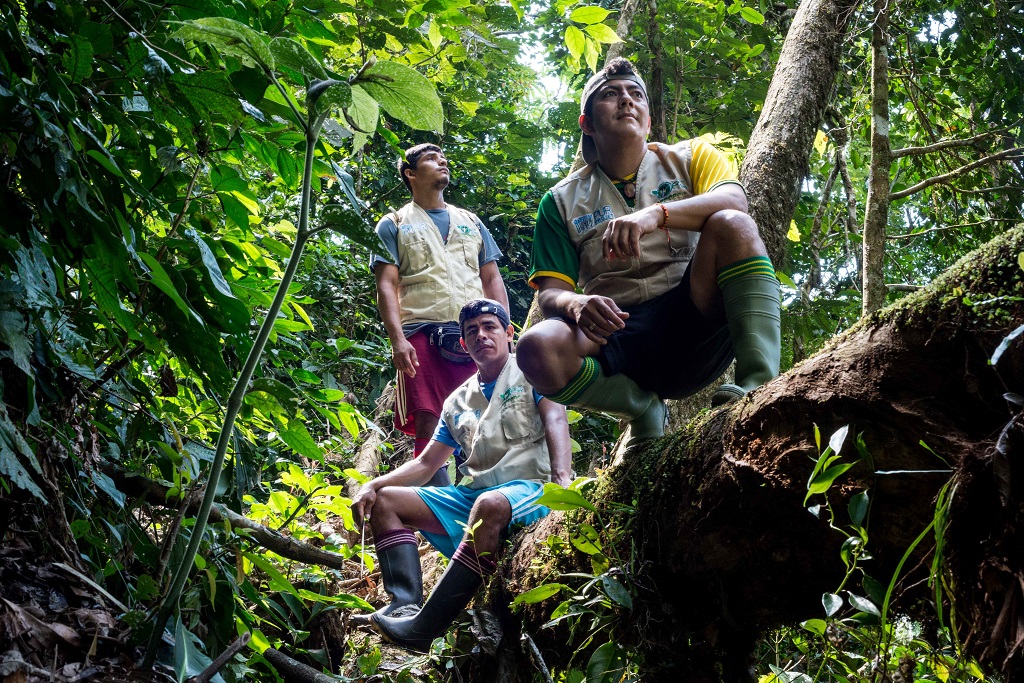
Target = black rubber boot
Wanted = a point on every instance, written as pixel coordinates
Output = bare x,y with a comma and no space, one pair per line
403,582
453,592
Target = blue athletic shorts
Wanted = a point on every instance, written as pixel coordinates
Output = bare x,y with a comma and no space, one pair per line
451,506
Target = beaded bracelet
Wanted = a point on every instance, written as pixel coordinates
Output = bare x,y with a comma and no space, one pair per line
664,223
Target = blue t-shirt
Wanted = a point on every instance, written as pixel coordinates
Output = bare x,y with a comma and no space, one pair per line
444,435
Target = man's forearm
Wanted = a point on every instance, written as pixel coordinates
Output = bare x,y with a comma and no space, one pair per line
390,310
555,302
691,213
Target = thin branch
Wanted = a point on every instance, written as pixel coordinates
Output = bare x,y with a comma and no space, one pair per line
144,39
222,659
935,180
941,144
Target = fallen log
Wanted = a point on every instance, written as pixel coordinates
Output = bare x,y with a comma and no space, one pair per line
714,517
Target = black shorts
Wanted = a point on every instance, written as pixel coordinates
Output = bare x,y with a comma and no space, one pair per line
668,346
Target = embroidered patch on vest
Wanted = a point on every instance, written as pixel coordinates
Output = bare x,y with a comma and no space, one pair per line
465,229
668,188
512,392
592,220
466,415
409,228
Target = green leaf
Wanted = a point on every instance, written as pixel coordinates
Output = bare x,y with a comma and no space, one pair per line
349,223
292,54
607,663
586,540
189,660
816,626
362,117
287,397
405,94
158,276
343,600
335,95
863,604
574,41
858,508
434,35
306,376
229,37
752,15
298,438
589,14
277,582
210,264
558,498
616,591
356,475
77,59
542,592
602,34
822,482
288,168
832,603
12,444
592,53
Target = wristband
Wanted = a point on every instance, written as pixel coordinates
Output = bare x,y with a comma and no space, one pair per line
664,213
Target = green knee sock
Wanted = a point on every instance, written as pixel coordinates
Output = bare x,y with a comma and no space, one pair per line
750,291
618,395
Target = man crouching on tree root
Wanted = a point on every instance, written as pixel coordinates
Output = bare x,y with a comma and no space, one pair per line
514,441
675,279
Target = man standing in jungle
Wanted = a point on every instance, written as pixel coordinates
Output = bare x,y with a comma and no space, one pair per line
514,441
437,258
675,280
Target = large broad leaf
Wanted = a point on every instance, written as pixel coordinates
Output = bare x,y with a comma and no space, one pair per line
575,41
158,276
347,222
589,14
558,498
210,94
328,96
210,264
405,94
292,54
12,444
607,664
229,37
298,437
542,592
189,660
602,33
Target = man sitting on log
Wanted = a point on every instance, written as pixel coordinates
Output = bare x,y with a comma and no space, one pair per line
514,441
674,278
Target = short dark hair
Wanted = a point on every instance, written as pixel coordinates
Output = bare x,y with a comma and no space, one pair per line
617,67
478,307
412,157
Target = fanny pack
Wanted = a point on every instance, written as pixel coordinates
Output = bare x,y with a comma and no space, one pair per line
446,337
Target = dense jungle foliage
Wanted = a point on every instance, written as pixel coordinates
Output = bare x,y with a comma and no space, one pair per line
152,157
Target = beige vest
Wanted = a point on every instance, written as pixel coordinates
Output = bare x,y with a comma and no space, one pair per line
503,438
436,279
587,200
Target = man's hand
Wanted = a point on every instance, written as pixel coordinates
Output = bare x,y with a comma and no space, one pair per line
598,317
403,355
621,239
362,504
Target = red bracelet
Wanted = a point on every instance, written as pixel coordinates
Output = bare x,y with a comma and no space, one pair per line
664,223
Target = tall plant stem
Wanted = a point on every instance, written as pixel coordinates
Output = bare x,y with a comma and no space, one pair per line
234,404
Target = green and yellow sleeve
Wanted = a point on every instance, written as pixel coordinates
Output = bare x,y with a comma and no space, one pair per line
553,253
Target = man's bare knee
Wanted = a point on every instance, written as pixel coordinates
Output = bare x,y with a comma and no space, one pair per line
536,349
492,510
733,226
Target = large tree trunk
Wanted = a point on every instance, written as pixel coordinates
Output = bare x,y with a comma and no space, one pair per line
722,543
780,146
876,213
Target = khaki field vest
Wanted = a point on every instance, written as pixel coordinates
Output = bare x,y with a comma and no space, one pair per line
436,278
588,199
503,438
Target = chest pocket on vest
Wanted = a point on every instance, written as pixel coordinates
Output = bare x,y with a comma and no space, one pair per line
465,242
414,240
520,420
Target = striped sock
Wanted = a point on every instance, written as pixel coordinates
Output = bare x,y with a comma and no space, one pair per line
466,555
418,446
748,267
389,539
578,384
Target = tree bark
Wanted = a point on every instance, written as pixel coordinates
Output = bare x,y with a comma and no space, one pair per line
876,213
780,146
721,542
